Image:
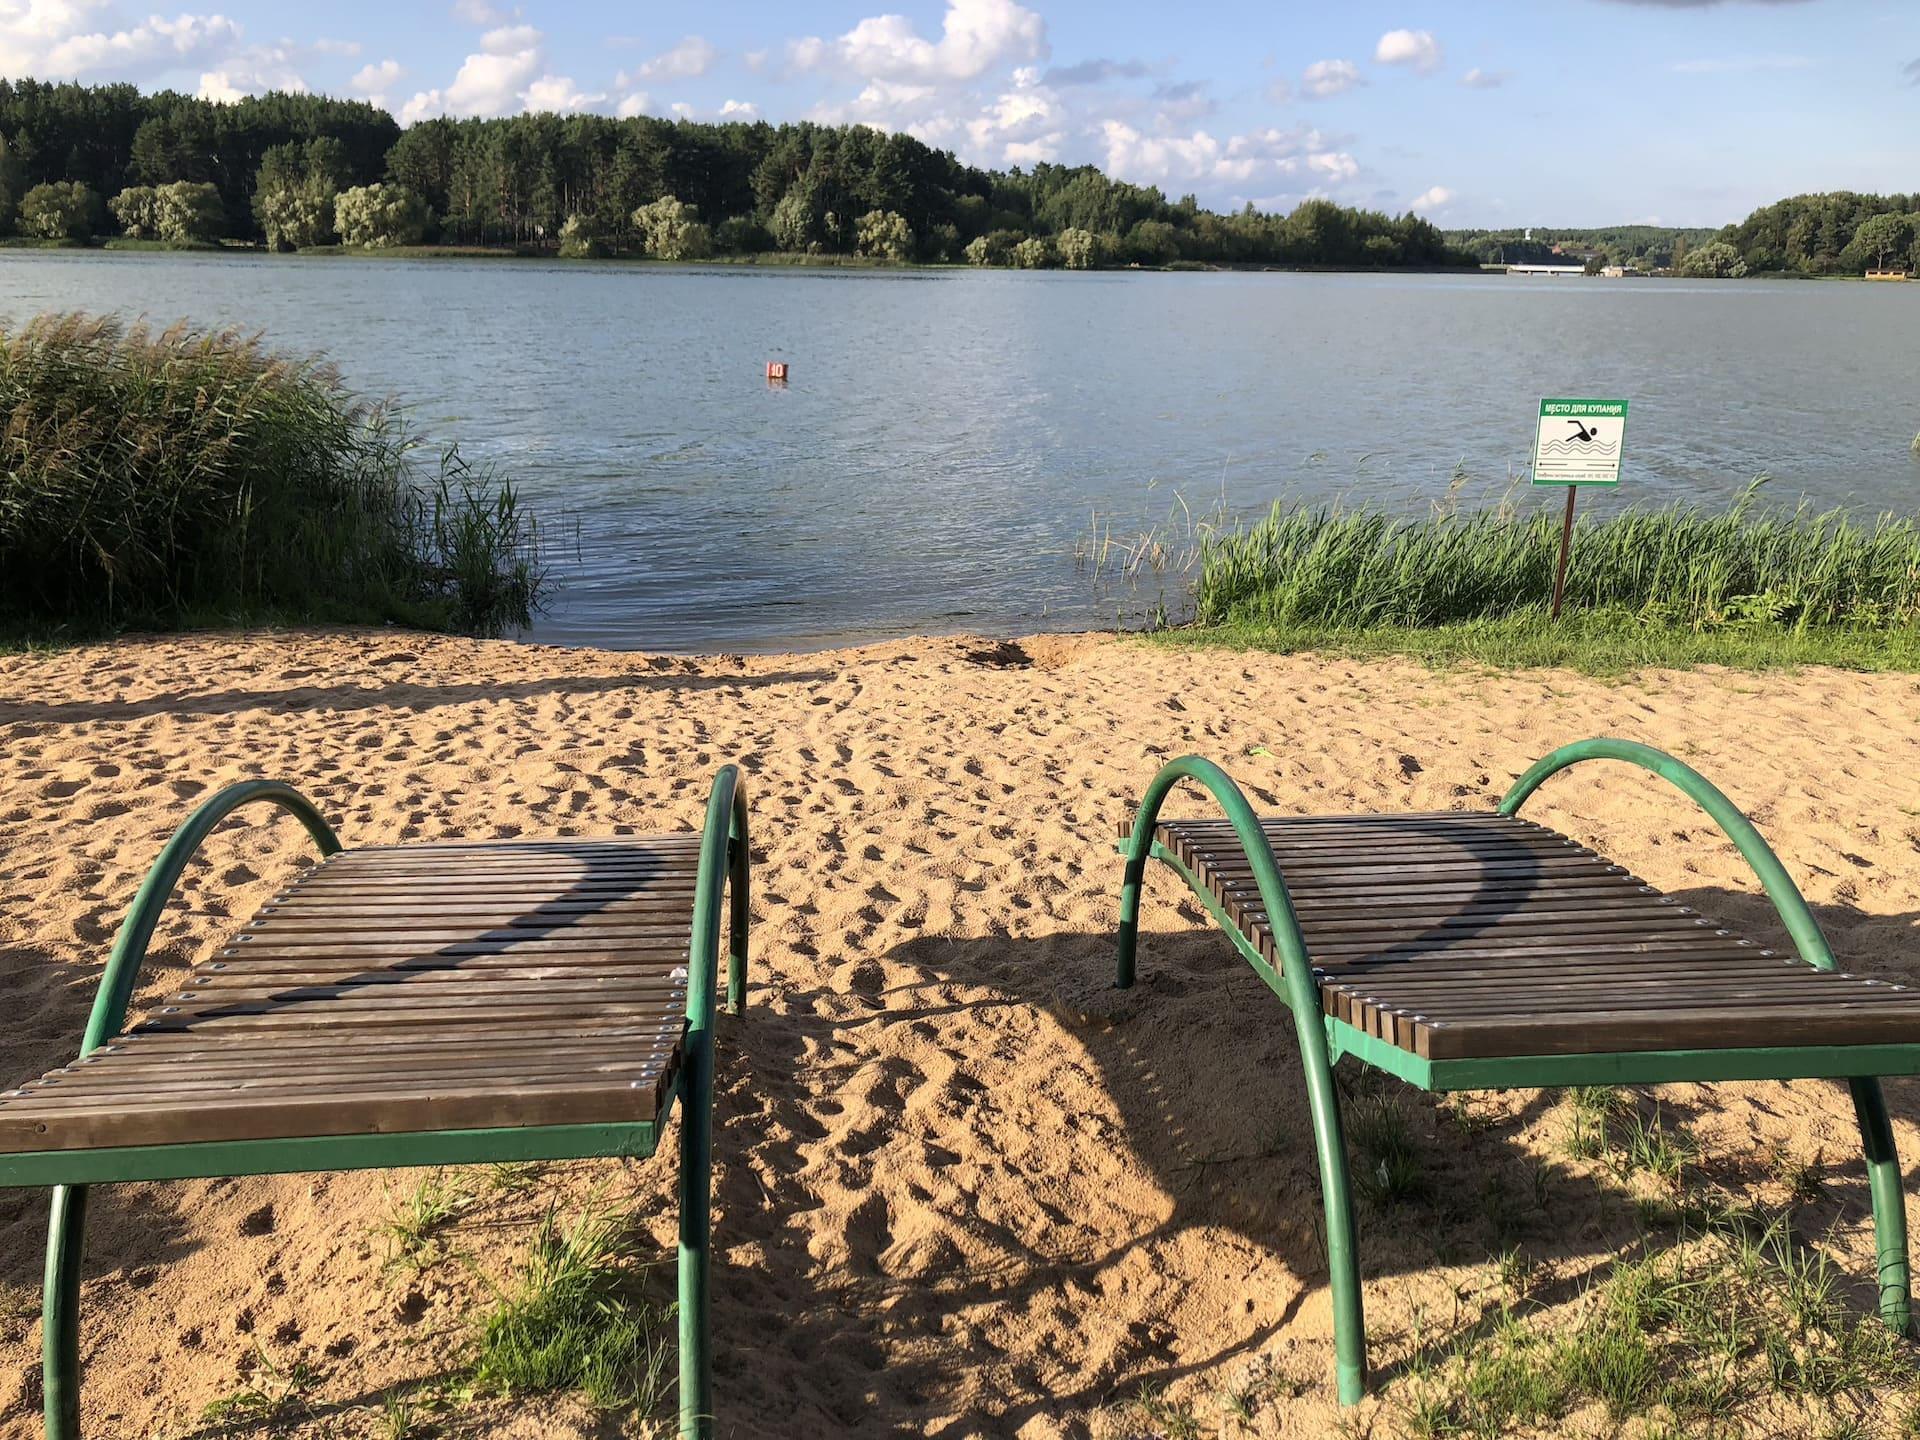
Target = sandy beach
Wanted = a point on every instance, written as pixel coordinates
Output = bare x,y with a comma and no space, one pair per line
964,1187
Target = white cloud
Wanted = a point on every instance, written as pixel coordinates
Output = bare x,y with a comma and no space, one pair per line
682,109
1182,103
1033,152
375,81
1238,160
1434,197
510,40
507,74
1414,48
1478,79
739,110
1326,78
47,38
252,72
976,36
478,12
755,60
692,57
634,102
1336,165
559,94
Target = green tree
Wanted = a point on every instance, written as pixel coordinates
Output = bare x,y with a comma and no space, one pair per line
980,251
60,210
1033,253
380,216
294,192
1883,239
11,172
1153,242
796,220
1079,249
884,233
1716,260
580,238
670,229
137,209
189,212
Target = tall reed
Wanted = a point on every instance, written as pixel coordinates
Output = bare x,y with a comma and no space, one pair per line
1680,565
192,475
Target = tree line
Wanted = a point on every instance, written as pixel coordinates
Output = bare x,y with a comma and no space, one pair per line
292,171
1836,233
1642,247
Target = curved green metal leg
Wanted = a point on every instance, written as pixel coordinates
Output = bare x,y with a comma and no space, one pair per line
723,857
1303,998
60,1313
1889,1206
66,1226
1876,1129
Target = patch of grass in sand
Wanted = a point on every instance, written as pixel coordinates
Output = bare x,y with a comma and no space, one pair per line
413,1229
1649,1147
1592,1105
1149,1412
514,1177
575,1319
1388,1169
270,1395
1731,1323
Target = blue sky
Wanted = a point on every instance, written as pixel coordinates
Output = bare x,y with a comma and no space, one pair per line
1571,112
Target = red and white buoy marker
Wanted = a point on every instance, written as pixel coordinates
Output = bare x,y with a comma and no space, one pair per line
776,372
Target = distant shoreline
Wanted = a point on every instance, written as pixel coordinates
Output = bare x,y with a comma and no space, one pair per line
786,260
766,259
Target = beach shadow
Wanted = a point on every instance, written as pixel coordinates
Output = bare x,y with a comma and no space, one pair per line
1200,1060
333,696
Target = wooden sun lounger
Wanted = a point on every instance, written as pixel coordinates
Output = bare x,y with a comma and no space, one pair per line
443,1004
1464,951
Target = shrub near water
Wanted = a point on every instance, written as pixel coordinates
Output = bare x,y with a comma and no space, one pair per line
195,476
1680,567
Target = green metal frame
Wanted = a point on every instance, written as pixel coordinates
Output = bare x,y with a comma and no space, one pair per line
723,870
1324,1039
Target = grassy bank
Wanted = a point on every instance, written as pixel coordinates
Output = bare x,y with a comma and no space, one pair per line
1751,585
178,478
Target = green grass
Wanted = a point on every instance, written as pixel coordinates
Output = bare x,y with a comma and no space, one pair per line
413,1228
1731,1322
1606,645
1387,1169
272,1396
1748,586
186,477
576,1320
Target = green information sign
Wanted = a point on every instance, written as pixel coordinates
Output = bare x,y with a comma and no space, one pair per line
1578,442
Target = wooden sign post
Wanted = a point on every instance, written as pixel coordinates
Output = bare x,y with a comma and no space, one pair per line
1577,442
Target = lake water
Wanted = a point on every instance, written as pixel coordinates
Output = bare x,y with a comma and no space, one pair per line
946,436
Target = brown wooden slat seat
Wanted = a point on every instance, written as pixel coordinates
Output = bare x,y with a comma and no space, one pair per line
406,989
1458,935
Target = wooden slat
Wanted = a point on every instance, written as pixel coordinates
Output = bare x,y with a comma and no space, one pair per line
394,990
1460,936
